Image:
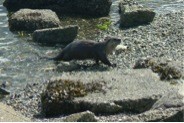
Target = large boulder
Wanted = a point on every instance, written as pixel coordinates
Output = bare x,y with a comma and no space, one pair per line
82,7
132,14
30,20
133,91
60,35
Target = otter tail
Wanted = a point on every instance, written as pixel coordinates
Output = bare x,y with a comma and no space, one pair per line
58,57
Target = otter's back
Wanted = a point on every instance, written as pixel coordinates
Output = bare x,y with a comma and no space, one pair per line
80,50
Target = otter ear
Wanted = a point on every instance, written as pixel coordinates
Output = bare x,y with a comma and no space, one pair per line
107,38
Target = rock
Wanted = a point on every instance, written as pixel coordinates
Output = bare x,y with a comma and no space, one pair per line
113,93
30,20
81,7
8,114
60,35
58,98
166,69
86,116
142,63
134,15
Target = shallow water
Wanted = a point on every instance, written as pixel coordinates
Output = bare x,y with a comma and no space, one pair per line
19,63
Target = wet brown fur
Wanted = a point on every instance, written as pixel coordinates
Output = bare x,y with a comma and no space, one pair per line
81,50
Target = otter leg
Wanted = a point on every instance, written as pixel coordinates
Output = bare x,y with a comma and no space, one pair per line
104,59
97,61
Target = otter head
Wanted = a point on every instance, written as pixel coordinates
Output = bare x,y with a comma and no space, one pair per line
111,43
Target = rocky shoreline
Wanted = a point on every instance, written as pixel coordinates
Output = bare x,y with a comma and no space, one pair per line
146,85
163,38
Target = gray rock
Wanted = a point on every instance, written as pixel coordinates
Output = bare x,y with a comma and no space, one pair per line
30,20
134,15
86,116
82,7
60,35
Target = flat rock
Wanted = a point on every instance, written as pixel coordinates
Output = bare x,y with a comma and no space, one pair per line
60,35
30,20
132,14
8,114
130,90
80,7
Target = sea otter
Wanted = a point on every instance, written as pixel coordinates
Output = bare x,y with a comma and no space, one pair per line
87,49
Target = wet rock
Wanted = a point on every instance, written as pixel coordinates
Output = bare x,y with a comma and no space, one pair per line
134,15
60,35
86,116
30,20
81,7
